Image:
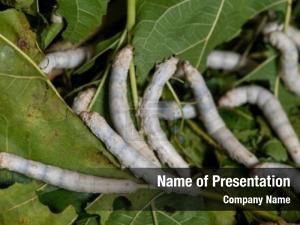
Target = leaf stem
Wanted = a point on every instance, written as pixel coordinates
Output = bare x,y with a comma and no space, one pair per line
103,79
276,87
131,15
202,134
288,15
178,102
133,85
131,12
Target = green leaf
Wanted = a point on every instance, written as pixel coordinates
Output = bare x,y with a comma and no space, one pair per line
145,200
291,216
103,206
189,28
35,123
191,145
50,33
19,204
276,150
83,17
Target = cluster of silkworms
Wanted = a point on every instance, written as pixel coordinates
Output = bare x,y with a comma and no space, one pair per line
129,145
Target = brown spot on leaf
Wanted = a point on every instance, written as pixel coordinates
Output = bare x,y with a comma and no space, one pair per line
23,44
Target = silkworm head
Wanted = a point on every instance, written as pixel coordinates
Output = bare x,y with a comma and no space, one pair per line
226,101
92,119
189,71
271,27
274,38
82,101
44,64
124,57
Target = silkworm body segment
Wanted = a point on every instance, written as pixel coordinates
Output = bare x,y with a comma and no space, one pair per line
272,110
169,110
212,120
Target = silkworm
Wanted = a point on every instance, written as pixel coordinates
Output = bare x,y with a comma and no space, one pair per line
279,170
213,122
119,107
128,156
169,110
67,179
221,60
150,123
82,100
225,60
288,60
68,59
272,110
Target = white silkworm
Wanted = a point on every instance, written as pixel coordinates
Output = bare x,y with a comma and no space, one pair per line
212,120
272,110
225,60
288,59
119,107
169,110
82,100
221,60
67,179
68,59
150,122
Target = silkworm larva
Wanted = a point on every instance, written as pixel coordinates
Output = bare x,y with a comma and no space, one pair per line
169,110
272,110
119,107
128,156
288,60
221,60
279,170
82,100
225,60
68,59
150,122
212,120
67,179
